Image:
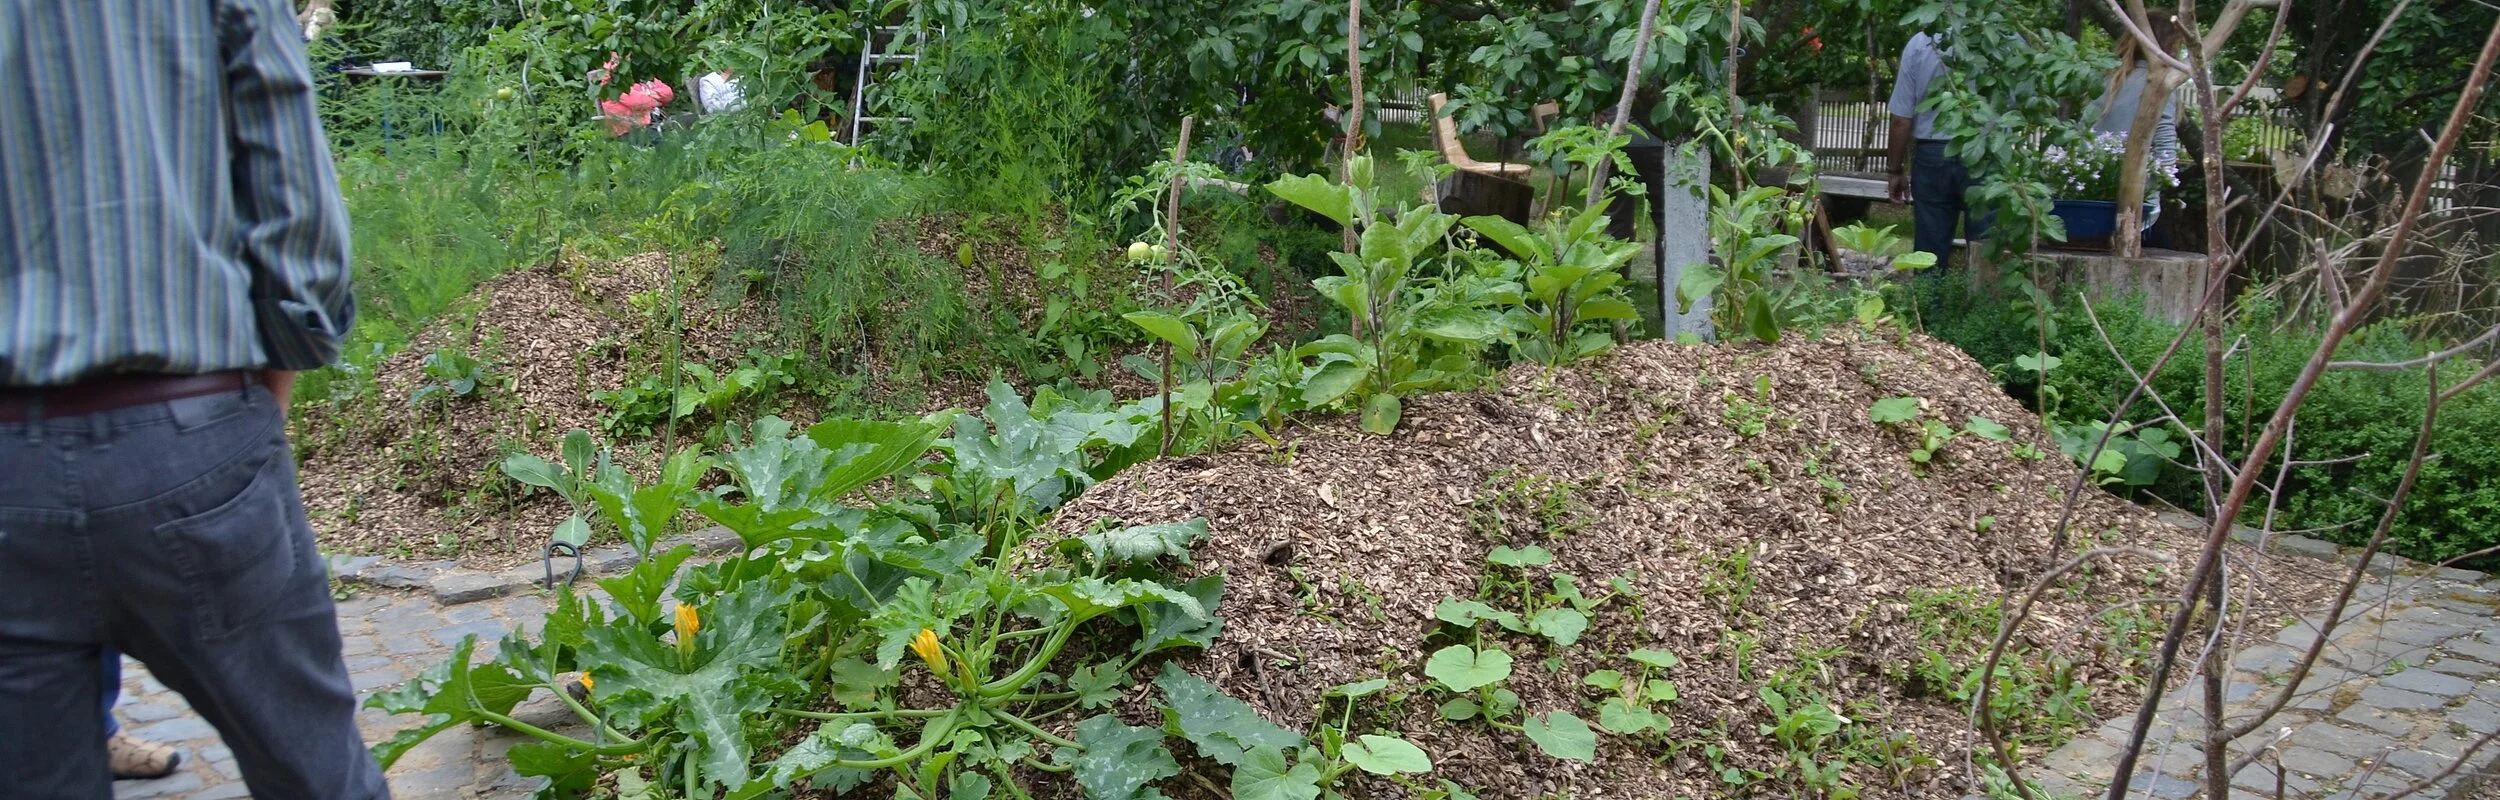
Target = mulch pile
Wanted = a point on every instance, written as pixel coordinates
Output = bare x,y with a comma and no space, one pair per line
383,475
1337,546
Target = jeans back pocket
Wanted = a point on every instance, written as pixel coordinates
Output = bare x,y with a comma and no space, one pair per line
240,557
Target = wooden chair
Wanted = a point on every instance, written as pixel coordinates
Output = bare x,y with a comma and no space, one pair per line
1445,135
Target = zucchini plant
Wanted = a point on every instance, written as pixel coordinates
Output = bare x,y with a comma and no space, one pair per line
881,616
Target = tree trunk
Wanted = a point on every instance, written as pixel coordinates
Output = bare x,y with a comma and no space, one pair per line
2127,240
1623,103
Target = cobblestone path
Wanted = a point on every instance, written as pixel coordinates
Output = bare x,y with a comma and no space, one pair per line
2409,681
389,636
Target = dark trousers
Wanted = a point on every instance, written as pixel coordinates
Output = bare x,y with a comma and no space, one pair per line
173,532
1937,184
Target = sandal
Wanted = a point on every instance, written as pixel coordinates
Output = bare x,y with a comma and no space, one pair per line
133,758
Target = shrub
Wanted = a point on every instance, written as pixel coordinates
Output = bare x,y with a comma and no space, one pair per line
2368,417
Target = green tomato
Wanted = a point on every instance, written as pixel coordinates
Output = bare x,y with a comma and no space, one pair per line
504,93
1140,251
1159,253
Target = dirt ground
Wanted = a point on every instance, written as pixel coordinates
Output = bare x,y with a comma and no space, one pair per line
1764,527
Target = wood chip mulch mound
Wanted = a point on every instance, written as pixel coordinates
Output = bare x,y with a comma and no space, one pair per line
1337,546
386,476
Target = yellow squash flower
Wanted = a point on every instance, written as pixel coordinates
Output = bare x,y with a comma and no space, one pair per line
926,644
587,683
687,623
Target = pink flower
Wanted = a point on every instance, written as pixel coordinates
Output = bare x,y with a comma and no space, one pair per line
633,109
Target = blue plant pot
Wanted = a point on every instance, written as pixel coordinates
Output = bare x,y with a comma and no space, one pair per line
2092,219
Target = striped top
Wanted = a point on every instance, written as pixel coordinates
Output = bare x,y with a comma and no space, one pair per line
167,203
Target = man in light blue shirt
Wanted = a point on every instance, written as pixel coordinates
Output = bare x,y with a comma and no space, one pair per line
1932,181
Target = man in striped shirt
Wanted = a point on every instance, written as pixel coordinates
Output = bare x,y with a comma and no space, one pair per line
172,250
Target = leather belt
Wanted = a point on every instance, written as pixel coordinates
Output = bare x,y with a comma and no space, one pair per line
20,403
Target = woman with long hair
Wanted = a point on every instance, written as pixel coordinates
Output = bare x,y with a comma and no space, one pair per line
2121,100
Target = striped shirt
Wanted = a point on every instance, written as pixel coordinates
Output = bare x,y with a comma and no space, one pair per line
169,205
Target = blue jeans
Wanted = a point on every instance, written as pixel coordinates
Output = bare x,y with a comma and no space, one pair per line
1937,186
173,532
112,685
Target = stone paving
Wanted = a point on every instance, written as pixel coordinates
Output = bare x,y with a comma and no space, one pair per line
2409,682
389,637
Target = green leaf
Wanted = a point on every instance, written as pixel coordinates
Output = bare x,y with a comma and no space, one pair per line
388,751
1511,236
1262,775
1170,329
1894,410
1087,598
1562,625
1386,755
1607,679
1113,761
1607,308
1658,690
1562,735
1656,657
1463,668
1221,727
1988,429
1359,688
969,785
1318,194
813,757
1760,319
1620,716
534,471
573,531
867,450
1466,613
1472,325
1870,309
1460,710
641,679
569,772
639,591
855,682
1529,556
1097,685
1143,543
1333,380
1380,414
580,453
1164,626
1695,283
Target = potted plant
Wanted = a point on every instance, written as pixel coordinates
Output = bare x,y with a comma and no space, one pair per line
2084,178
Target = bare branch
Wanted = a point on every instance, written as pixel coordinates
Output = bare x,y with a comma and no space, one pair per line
2451,769
2434,358
1985,721
2344,322
2134,23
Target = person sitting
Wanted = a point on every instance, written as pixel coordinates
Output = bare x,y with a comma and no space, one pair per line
720,92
